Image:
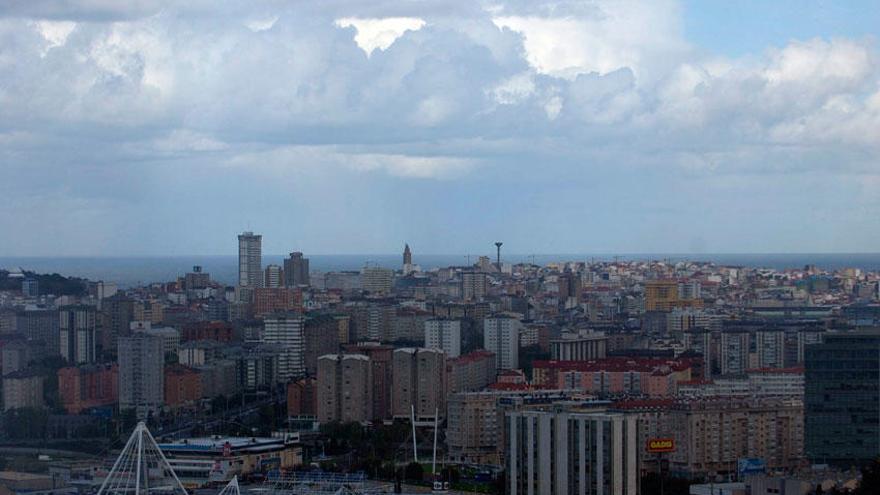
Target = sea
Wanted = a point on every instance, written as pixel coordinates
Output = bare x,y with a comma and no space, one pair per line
138,270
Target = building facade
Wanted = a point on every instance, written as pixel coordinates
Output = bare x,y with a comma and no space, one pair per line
501,337
141,374
419,381
561,452
842,398
286,332
344,388
250,260
444,334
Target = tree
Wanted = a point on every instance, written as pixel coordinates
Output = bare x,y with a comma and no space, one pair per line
870,483
414,472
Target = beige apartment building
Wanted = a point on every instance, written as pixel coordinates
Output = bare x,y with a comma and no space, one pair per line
345,388
419,381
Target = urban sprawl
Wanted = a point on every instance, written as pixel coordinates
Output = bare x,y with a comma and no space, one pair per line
613,377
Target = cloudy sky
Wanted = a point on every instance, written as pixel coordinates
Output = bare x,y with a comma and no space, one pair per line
160,127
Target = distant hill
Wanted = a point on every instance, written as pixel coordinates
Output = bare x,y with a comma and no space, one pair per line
55,284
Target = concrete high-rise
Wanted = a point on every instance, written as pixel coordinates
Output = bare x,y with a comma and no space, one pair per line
418,380
77,337
250,260
501,337
565,452
141,374
734,351
286,333
296,270
474,285
444,334
381,370
345,387
273,277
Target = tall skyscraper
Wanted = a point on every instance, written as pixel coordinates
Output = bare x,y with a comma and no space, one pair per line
501,337
444,334
285,332
250,260
77,337
842,398
141,374
296,270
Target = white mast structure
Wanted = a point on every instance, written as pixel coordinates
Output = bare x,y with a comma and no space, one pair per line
438,487
140,468
231,488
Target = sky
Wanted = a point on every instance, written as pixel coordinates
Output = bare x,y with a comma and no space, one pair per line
155,127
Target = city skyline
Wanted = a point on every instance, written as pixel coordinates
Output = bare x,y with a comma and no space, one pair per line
162,127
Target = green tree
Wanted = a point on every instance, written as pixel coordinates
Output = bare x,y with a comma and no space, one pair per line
413,472
870,482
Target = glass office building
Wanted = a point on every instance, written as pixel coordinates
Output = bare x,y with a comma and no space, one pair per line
842,398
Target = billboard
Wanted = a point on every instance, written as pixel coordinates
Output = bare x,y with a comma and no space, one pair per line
658,445
748,466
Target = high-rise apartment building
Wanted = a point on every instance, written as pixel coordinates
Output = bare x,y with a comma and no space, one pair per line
842,398
418,380
444,334
77,334
474,285
501,337
117,312
250,260
141,374
285,332
770,347
699,340
564,452
296,270
381,370
344,388
40,325
273,277
735,351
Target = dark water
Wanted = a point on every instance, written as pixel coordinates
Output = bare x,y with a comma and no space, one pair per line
129,271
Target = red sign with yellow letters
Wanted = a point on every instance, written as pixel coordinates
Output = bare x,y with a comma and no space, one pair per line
658,445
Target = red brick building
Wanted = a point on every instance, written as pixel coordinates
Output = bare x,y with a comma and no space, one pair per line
302,398
84,387
271,300
183,386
